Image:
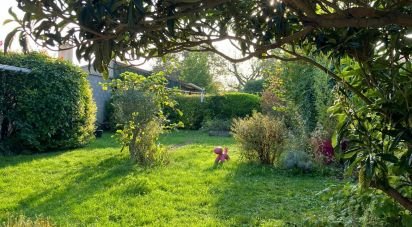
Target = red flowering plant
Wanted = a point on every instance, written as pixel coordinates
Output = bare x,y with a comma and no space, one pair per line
321,145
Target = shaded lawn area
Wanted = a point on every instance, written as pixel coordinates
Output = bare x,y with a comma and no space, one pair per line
99,185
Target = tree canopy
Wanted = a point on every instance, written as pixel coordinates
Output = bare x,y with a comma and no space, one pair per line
146,28
195,69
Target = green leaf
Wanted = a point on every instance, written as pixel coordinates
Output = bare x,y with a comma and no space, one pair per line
350,153
9,39
395,142
407,220
335,139
105,74
7,21
13,14
369,168
389,157
352,166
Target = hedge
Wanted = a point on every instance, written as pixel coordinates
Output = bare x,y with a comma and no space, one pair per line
47,109
193,111
232,105
222,107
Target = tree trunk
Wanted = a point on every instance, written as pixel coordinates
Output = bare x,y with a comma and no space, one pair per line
4,128
132,148
394,194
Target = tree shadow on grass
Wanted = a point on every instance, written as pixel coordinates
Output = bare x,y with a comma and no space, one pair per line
99,143
253,194
88,183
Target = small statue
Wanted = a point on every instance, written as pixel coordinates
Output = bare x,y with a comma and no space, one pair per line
222,155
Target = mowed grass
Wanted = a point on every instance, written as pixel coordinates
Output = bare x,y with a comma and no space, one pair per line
98,185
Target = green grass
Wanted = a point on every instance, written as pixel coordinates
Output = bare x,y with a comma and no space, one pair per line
98,185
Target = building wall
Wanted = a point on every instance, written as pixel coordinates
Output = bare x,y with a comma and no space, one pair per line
100,96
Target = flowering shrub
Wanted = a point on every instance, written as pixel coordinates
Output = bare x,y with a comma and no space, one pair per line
321,146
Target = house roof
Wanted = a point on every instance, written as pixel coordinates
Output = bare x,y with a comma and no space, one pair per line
190,87
14,68
121,67
194,86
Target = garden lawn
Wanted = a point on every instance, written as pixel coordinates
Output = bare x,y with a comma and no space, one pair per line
98,185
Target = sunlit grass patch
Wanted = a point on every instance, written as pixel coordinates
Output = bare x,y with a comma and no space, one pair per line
99,185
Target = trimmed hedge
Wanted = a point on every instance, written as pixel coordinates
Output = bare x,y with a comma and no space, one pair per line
223,107
232,105
47,109
193,111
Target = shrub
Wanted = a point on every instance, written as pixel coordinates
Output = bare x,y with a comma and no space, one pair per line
254,86
299,160
321,145
109,119
269,101
232,105
350,206
49,108
138,103
261,137
217,125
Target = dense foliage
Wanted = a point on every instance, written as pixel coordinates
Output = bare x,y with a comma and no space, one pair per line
298,83
222,107
193,111
231,105
262,138
301,88
138,103
47,109
254,86
146,28
195,69
380,132
350,206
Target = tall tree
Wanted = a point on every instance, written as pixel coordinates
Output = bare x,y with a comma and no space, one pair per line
190,67
256,70
195,69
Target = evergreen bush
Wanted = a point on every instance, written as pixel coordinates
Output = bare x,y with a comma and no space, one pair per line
232,105
193,111
49,108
